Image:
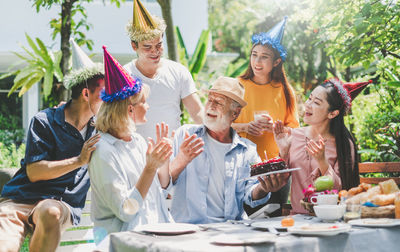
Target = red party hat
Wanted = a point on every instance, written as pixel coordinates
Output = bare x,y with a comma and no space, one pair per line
355,88
348,91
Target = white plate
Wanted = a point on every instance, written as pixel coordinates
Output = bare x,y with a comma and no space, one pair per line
320,229
239,239
275,224
383,222
168,228
273,172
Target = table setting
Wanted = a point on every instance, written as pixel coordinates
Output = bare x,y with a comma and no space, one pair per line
265,234
336,222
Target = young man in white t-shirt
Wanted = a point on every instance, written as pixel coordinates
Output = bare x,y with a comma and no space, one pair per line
169,82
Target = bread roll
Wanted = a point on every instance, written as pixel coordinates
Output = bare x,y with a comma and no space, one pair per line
363,197
355,190
389,186
383,199
357,199
343,193
365,186
374,191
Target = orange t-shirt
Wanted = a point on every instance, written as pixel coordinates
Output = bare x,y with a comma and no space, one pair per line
271,98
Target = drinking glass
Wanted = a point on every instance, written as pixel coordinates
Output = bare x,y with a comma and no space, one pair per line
353,211
258,115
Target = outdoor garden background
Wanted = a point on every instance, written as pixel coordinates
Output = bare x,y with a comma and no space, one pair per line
353,40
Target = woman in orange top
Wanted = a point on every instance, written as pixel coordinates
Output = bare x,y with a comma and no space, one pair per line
267,89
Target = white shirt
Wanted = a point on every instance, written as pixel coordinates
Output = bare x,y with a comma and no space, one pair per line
216,182
168,87
83,131
114,169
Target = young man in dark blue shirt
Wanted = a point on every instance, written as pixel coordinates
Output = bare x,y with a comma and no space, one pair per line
48,193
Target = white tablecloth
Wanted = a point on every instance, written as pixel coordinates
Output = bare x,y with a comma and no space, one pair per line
358,239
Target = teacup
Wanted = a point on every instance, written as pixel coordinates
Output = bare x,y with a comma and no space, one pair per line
327,199
313,198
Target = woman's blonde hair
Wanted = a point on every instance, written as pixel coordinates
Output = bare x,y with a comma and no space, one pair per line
113,116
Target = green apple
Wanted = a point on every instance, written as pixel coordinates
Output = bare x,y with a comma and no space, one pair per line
323,183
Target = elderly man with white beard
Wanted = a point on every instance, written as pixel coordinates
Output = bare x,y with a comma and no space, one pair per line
211,163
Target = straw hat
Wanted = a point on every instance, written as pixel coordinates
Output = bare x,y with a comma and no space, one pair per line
230,87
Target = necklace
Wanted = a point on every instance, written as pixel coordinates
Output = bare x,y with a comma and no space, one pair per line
257,83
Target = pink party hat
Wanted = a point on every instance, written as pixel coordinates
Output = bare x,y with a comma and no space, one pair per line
119,85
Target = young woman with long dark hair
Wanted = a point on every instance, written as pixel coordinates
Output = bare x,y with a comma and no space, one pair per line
267,89
325,147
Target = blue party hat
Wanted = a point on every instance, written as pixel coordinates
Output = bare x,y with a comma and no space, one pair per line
273,37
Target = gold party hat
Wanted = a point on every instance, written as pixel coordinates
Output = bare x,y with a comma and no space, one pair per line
144,26
142,20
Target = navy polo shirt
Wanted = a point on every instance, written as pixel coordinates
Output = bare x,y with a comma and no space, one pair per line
51,138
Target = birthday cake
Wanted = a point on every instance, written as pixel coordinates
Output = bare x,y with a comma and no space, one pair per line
274,164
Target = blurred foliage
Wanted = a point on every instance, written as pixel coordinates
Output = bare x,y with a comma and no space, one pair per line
79,23
375,121
11,155
323,38
43,66
353,40
376,126
307,63
46,66
195,63
235,69
233,22
13,134
12,148
360,31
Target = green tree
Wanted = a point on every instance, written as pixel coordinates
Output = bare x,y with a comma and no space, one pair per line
43,66
233,22
362,37
69,23
360,32
307,63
